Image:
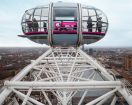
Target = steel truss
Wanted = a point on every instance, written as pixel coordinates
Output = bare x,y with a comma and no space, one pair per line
60,75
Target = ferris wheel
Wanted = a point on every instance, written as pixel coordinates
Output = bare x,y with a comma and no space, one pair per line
64,75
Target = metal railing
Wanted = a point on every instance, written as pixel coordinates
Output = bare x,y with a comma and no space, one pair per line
127,85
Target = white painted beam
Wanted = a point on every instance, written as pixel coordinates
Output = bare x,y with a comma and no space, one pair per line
114,100
102,97
126,95
63,85
29,98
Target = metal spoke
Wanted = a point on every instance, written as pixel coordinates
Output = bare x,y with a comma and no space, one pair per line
64,73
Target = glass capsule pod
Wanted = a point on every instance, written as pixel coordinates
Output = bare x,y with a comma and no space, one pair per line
64,24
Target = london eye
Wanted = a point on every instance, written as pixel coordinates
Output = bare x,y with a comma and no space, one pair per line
61,24
64,74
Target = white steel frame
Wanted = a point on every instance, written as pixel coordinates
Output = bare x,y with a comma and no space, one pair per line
62,72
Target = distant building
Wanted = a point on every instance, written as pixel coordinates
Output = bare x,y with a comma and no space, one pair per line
90,51
128,62
83,48
0,57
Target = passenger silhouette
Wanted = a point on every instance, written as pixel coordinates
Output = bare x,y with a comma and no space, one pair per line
75,20
29,25
61,26
35,25
45,26
99,24
75,27
89,24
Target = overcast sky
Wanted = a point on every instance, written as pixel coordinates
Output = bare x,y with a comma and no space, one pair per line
119,13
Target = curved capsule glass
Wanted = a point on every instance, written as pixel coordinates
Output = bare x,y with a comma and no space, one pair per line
64,24
94,24
35,24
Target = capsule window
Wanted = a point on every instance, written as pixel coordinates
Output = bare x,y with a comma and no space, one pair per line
65,19
93,20
66,14
35,20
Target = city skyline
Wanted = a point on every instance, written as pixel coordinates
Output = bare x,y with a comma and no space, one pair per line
118,13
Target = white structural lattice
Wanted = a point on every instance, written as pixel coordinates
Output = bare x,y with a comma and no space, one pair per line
63,73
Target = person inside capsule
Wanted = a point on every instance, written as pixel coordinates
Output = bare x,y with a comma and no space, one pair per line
89,24
99,25
45,26
35,25
29,25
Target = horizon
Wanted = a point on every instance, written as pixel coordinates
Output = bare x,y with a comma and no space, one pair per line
80,46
